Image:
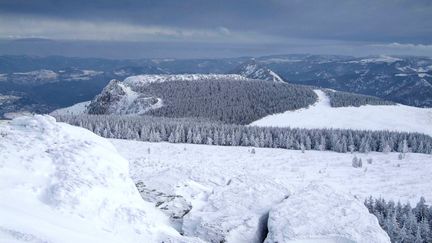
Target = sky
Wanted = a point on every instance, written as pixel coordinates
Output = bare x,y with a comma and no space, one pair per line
216,28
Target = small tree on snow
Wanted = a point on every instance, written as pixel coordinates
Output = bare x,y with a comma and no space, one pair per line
302,147
356,162
253,151
387,149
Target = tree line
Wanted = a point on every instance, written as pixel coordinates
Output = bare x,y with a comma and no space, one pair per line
403,223
204,131
228,101
344,99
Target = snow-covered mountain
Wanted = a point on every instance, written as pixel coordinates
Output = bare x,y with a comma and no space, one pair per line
229,98
131,96
60,183
254,70
403,79
368,117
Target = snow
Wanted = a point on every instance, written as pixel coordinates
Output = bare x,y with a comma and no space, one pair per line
232,190
254,71
84,75
149,78
134,103
77,109
369,117
3,77
381,58
40,74
60,183
300,218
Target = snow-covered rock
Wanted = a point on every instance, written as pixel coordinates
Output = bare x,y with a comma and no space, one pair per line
235,212
120,98
254,70
320,214
60,183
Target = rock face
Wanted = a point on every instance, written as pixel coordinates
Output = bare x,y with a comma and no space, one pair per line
120,98
254,70
319,214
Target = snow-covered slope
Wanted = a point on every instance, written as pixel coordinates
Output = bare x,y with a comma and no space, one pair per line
78,108
368,117
231,190
60,183
318,213
254,70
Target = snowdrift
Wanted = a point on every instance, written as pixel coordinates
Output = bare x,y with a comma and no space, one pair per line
60,183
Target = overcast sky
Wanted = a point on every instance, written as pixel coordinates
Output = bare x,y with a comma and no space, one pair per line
216,28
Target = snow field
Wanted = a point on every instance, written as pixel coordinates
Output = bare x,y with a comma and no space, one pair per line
369,117
232,190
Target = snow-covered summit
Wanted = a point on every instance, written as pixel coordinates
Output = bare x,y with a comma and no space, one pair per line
253,70
147,78
60,183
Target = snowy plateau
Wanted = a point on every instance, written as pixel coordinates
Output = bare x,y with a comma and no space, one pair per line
61,183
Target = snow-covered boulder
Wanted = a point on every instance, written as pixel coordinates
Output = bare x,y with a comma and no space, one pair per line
60,183
318,213
236,212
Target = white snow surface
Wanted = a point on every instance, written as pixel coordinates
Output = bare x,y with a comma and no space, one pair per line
400,118
76,109
252,70
318,213
60,183
378,59
231,189
150,78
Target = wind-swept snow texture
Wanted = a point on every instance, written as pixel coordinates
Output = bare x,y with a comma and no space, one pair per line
369,117
318,213
60,183
232,189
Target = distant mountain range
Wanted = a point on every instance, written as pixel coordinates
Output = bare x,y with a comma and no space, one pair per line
42,84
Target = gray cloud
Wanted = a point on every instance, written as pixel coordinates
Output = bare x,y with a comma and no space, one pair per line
286,23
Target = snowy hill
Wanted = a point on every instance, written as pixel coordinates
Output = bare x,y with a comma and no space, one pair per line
368,117
227,98
60,183
254,70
